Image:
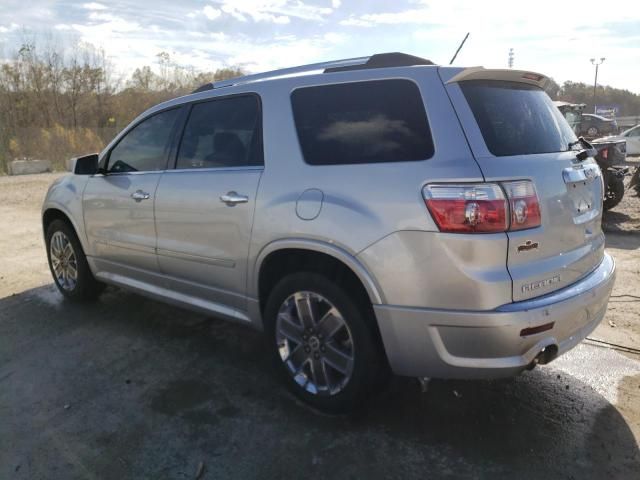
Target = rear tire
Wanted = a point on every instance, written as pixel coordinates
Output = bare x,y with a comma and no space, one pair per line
68,264
615,192
322,342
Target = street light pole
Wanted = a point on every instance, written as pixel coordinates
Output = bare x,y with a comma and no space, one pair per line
595,82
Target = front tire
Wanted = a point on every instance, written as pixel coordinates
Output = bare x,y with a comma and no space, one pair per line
68,263
322,342
615,192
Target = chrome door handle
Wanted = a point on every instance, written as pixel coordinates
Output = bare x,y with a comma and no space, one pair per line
231,198
139,195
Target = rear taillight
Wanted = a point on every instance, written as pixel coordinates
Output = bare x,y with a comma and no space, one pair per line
523,203
483,207
480,208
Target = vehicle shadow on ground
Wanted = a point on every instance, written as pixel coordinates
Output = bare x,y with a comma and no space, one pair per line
623,240
130,388
612,221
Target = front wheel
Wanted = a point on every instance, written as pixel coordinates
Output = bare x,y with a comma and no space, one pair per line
68,263
615,192
322,342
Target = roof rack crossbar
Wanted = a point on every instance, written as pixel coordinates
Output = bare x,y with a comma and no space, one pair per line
348,62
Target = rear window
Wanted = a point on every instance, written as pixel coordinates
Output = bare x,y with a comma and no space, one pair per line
362,122
516,118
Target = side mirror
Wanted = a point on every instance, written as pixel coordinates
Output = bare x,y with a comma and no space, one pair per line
85,165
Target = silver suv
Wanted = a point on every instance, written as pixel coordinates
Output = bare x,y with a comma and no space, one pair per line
370,215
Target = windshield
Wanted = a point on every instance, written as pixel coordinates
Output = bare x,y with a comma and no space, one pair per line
517,118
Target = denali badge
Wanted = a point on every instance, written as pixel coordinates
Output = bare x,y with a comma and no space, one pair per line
530,287
528,245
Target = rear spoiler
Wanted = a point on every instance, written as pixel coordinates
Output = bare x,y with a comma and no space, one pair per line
505,75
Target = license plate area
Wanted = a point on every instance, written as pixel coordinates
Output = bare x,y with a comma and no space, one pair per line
584,189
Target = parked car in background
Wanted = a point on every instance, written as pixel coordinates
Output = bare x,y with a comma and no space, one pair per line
592,126
632,138
368,214
583,124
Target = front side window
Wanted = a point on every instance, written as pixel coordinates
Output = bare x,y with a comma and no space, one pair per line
362,122
516,118
222,133
145,147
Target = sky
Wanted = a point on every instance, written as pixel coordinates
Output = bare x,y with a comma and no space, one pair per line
557,38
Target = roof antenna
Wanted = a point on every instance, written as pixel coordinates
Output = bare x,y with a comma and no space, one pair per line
456,54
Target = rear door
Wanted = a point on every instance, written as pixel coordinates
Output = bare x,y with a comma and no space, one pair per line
516,133
204,207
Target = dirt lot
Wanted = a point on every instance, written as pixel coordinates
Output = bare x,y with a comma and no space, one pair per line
129,388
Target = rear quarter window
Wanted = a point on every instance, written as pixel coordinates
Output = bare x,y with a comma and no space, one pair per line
517,118
362,122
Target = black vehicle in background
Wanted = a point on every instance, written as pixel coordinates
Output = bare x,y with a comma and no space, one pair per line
596,126
610,152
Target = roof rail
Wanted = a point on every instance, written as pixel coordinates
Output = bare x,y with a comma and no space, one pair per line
383,60
379,60
290,71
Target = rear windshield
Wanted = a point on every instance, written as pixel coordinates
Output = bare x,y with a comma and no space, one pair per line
516,118
362,122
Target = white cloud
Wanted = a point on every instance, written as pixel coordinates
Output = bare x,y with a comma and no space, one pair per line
210,12
276,11
402,17
262,57
336,3
280,19
10,28
94,6
106,22
335,38
356,22
219,36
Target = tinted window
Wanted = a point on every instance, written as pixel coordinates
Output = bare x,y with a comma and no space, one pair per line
364,122
145,147
516,118
222,133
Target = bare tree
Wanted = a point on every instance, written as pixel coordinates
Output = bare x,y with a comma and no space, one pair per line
59,100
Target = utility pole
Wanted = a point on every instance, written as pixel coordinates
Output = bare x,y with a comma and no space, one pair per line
511,56
595,82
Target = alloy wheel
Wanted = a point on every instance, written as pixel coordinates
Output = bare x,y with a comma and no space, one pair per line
63,261
315,343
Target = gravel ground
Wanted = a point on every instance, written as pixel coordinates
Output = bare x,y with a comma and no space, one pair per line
130,388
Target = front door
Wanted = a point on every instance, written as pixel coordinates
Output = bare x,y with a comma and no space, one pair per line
119,204
204,208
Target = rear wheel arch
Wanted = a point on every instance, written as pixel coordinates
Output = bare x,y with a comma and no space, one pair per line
283,257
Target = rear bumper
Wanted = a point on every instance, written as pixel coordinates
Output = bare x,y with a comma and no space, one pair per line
488,344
